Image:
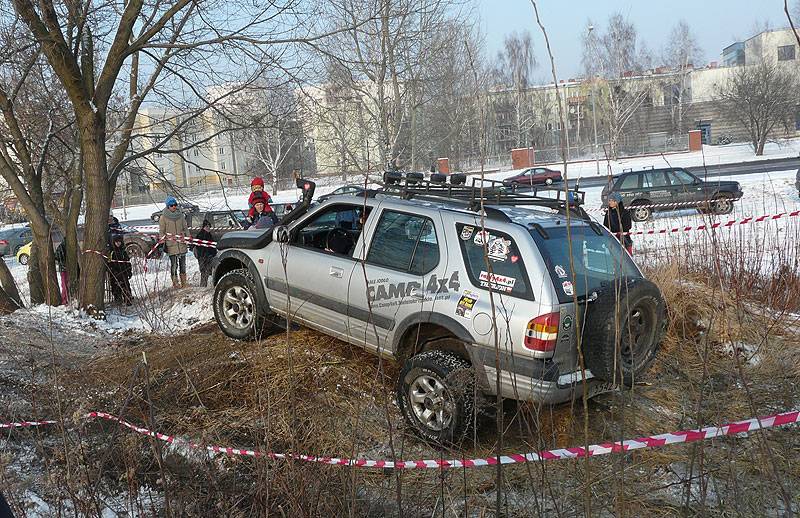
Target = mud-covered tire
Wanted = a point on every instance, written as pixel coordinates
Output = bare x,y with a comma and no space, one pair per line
621,353
236,306
435,380
640,212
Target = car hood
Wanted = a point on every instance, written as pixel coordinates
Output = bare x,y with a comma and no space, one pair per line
725,184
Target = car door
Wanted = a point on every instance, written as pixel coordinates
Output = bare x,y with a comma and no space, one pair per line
656,187
404,273
687,189
630,187
309,277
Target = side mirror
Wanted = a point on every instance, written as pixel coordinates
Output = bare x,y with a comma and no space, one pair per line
280,234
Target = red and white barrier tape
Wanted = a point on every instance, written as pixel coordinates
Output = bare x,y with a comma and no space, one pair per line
727,224
191,241
101,254
653,441
156,228
689,204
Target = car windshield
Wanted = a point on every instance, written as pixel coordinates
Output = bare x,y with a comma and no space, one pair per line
597,259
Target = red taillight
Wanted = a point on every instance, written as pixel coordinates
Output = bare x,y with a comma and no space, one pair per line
3,242
542,333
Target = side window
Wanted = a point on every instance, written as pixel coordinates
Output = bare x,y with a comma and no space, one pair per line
681,178
507,267
404,242
220,220
655,180
630,182
334,230
27,234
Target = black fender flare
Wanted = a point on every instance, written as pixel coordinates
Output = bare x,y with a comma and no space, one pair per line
233,259
430,317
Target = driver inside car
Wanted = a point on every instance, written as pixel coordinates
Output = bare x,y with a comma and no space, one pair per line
342,239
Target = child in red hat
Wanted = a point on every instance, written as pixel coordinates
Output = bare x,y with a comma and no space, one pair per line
257,192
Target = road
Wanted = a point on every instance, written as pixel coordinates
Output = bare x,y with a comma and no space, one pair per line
712,171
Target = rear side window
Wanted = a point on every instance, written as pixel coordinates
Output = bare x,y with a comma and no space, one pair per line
505,272
655,180
404,242
630,182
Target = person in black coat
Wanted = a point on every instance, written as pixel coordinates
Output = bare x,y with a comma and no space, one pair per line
205,254
120,272
618,221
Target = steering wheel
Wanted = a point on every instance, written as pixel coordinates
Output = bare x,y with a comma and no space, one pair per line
340,235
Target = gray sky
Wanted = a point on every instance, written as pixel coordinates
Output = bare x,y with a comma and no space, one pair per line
715,23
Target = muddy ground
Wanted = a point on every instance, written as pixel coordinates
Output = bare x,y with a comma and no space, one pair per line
308,393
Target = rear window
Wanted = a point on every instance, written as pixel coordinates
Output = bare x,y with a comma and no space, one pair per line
598,260
505,272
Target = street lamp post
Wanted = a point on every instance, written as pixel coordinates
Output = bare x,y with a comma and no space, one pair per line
594,112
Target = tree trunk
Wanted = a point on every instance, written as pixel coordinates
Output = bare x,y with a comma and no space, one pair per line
760,145
10,300
35,282
97,210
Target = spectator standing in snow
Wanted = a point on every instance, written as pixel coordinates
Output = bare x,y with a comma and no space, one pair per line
259,217
205,254
63,273
120,272
172,221
618,221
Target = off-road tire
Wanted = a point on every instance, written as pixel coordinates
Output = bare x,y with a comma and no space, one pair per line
457,377
641,214
642,318
722,205
438,178
255,323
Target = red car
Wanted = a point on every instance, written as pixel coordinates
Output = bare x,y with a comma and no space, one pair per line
535,176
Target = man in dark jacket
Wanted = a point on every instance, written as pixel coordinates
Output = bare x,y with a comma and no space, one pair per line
618,221
120,272
205,254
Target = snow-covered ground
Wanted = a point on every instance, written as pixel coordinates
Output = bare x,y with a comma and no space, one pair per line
767,245
158,308
711,155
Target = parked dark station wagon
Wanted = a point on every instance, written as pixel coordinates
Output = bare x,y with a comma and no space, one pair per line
671,189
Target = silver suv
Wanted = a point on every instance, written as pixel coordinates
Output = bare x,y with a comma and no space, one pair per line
419,273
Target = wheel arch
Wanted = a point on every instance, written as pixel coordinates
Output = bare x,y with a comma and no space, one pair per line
231,260
417,332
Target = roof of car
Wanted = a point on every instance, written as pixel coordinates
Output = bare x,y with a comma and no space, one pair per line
525,215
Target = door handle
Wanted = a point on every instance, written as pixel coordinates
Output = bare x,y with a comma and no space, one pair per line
417,294
336,272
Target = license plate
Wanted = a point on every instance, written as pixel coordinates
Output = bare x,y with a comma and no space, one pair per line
601,388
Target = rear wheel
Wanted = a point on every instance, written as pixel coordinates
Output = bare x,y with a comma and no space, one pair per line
640,212
722,204
623,331
549,181
435,393
23,259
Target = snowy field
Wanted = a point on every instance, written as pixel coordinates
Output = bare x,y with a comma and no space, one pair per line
766,246
711,155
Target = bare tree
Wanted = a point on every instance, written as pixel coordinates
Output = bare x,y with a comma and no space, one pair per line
168,50
516,63
761,98
680,53
619,59
386,58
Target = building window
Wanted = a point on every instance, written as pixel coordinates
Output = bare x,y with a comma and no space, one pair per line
196,152
222,151
222,166
786,53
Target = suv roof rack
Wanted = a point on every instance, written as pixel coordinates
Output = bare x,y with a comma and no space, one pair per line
481,192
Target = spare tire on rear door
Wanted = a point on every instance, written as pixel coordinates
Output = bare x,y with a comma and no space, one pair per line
623,330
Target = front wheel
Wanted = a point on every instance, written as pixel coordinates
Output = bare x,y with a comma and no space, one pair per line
235,306
549,181
640,213
23,259
435,393
134,250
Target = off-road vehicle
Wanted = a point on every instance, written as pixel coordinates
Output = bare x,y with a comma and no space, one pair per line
671,189
462,285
